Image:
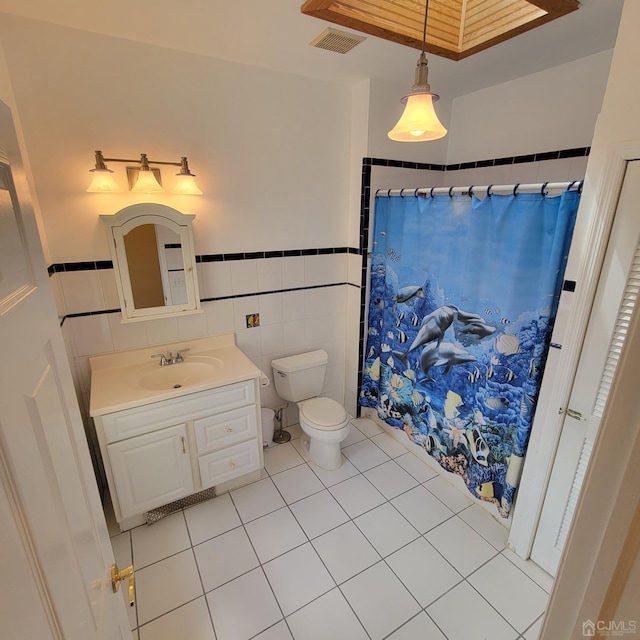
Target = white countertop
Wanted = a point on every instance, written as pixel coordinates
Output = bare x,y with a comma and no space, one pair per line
115,377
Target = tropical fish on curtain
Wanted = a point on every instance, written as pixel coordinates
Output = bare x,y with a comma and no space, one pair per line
463,294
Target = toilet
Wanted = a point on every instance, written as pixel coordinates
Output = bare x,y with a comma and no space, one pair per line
300,379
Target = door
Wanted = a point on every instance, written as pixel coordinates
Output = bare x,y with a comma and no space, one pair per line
55,554
616,298
151,470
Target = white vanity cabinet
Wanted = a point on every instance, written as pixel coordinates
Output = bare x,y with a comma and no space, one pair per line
159,452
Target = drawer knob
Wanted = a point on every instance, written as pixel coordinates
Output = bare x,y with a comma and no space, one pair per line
232,465
229,430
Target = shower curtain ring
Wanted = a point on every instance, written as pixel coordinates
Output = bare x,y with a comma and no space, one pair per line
388,193
431,192
580,186
415,193
450,192
542,191
471,191
402,193
377,192
489,190
515,190
571,184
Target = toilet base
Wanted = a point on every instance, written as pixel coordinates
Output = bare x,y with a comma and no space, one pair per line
325,454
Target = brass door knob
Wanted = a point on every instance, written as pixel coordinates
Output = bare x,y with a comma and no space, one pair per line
118,576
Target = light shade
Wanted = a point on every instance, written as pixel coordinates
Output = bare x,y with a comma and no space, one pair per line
103,182
418,122
147,183
186,185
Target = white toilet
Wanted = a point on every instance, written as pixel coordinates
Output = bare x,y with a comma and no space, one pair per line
300,379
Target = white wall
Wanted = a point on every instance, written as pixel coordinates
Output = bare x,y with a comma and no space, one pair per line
546,111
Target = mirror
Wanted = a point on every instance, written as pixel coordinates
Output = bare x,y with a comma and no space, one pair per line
154,262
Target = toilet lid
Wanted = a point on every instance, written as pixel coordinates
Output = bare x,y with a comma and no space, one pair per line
324,413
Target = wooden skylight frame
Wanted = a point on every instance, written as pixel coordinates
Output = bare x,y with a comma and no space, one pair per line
456,29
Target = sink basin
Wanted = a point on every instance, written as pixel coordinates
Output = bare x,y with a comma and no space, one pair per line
176,376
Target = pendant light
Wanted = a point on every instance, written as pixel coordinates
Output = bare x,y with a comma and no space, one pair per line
186,184
146,182
419,122
102,180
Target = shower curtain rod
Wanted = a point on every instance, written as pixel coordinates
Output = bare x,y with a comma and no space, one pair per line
541,187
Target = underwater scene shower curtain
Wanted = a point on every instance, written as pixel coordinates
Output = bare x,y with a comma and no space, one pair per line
463,294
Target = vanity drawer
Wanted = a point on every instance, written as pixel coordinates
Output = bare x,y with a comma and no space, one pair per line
224,429
150,417
221,466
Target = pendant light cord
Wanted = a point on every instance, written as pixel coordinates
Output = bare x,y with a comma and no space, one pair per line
424,31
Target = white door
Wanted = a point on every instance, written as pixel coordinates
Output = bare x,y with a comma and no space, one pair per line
55,555
615,300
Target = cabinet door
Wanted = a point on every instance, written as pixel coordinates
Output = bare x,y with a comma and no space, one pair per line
151,470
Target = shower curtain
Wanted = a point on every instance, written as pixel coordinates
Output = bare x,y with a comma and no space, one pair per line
463,295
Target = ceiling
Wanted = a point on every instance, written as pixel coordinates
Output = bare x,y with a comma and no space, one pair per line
276,35
455,29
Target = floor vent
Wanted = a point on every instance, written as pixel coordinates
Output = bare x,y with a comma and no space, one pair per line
162,512
335,40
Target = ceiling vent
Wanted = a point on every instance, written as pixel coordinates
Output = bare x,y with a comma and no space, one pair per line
335,40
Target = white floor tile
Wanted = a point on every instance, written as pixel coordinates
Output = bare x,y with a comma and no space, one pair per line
462,613
224,558
367,426
243,607
257,499
516,597
420,470
423,571
447,493
166,585
329,478
345,552
386,529
389,445
327,617
297,483
318,513
297,578
390,479
160,540
355,435
275,534
421,627
422,509
365,455
533,632
486,525
279,631
379,600
357,495
465,549
280,458
211,518
536,573
190,621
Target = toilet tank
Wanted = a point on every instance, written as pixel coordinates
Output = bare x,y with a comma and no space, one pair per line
300,377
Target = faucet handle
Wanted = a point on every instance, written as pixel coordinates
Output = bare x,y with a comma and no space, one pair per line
179,357
163,359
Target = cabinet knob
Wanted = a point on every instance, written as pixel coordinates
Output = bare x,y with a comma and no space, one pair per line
232,465
229,430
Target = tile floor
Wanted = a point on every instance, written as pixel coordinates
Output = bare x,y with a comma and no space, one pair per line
381,548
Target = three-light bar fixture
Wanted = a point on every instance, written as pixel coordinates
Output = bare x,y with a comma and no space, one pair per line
142,178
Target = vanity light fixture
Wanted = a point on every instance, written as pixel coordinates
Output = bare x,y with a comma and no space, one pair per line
419,122
142,178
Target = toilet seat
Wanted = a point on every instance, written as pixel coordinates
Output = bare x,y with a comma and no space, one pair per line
324,414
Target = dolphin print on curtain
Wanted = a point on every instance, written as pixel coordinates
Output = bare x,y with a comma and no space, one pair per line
462,301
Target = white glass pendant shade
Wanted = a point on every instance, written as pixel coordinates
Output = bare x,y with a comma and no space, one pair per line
103,182
186,185
147,183
418,122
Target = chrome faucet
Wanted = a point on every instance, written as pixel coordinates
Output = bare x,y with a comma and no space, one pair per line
170,359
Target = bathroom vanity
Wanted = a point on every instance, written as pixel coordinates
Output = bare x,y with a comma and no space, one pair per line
169,431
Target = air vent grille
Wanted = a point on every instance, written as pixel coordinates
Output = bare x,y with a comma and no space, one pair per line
335,40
